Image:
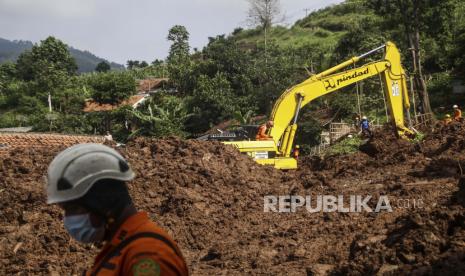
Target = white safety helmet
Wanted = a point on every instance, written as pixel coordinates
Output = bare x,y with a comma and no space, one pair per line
75,170
455,106
364,117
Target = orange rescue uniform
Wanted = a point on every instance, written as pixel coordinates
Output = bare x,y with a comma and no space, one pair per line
457,114
139,247
296,153
261,134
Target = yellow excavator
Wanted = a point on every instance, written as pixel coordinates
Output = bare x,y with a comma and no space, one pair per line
277,151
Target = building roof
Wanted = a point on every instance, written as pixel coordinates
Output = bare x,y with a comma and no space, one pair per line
151,84
134,101
16,129
39,140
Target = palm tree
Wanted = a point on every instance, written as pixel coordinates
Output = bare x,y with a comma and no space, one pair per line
161,120
243,119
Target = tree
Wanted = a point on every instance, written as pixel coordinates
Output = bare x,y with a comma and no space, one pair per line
103,67
416,17
459,40
135,64
49,56
212,102
7,74
131,64
179,38
112,87
264,13
165,118
179,62
243,118
47,69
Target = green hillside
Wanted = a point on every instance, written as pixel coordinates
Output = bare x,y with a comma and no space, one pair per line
323,28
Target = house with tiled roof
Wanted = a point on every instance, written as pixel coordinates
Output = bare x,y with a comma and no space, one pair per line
134,101
145,88
11,141
151,85
16,129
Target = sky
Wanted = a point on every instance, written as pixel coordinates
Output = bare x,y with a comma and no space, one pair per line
121,30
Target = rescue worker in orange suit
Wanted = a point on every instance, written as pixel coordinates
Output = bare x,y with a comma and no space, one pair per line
88,182
457,113
261,134
296,152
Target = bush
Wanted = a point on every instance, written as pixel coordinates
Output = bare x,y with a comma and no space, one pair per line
346,146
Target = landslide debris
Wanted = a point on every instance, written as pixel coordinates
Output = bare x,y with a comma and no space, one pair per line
210,198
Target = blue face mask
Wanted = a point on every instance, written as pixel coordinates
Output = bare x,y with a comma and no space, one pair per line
81,229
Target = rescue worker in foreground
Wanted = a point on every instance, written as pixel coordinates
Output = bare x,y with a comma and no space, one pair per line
88,182
366,127
261,134
457,113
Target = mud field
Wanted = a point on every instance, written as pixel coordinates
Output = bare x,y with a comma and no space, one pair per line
210,199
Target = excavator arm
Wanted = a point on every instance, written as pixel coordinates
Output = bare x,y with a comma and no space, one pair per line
287,108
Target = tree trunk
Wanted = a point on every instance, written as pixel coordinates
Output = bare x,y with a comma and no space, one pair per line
413,35
418,76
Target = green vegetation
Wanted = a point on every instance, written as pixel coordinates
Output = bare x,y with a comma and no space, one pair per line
418,137
235,77
346,146
102,67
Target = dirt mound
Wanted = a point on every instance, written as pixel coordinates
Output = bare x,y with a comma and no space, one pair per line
32,238
448,140
211,199
387,147
201,192
426,241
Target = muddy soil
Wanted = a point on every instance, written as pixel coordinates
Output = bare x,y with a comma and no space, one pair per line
210,199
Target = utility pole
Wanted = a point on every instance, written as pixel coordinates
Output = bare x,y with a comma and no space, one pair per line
306,12
266,26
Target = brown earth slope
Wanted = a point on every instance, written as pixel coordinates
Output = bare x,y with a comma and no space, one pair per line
210,198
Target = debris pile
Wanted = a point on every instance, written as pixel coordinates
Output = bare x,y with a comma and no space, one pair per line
210,198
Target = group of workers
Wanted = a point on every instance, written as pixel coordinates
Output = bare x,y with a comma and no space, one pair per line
363,124
457,115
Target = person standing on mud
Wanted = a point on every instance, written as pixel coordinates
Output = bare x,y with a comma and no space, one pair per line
357,121
365,125
261,134
88,181
457,113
